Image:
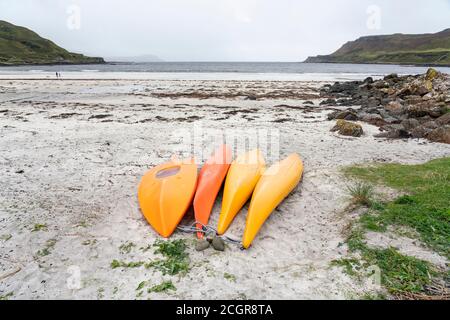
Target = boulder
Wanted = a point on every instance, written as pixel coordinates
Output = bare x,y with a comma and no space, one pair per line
392,76
349,115
444,120
441,134
421,88
410,124
394,133
431,125
419,132
368,80
372,118
431,74
347,128
381,84
395,108
427,108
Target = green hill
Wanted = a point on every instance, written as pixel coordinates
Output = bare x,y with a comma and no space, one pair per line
21,46
418,49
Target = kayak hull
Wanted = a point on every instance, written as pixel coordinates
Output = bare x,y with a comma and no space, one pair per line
210,180
165,194
273,187
240,182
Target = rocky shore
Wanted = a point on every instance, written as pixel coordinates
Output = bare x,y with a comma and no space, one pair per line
401,106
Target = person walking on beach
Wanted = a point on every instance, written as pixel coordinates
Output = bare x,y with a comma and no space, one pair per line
57,75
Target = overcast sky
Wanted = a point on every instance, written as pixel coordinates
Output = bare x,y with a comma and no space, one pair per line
220,30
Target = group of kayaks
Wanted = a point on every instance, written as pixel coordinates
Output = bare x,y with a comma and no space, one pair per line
167,191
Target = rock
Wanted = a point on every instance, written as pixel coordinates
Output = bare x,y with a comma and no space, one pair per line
347,87
410,124
347,128
430,125
394,133
444,120
413,100
218,244
328,102
372,102
431,74
427,108
404,92
421,88
308,102
441,134
392,76
202,245
381,84
395,108
368,80
373,119
346,115
419,132
428,96
391,120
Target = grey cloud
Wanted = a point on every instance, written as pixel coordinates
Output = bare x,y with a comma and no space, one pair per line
237,30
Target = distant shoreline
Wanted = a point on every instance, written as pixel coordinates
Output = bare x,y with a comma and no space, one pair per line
112,63
53,64
435,65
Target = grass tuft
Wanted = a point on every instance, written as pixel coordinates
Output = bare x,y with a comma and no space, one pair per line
39,227
126,247
361,194
162,287
121,264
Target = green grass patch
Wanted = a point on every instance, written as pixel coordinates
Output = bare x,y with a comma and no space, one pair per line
399,273
6,237
426,206
176,259
230,277
39,227
6,296
122,264
350,265
377,296
49,245
126,247
162,287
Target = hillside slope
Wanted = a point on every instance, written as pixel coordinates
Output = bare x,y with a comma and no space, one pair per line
419,49
19,45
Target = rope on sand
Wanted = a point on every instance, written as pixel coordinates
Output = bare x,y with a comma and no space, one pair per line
206,230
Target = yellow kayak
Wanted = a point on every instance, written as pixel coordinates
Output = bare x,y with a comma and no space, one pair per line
273,187
241,180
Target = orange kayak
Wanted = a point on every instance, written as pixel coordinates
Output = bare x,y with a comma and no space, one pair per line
165,193
209,182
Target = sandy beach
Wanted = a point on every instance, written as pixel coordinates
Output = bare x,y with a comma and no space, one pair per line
72,153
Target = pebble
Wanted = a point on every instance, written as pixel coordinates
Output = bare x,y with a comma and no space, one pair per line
218,244
202,245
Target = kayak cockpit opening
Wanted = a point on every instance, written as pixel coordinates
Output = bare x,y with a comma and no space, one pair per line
168,172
